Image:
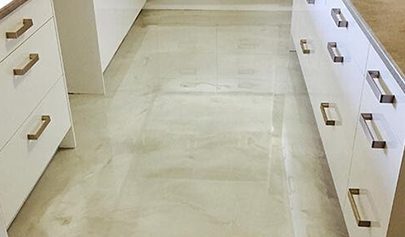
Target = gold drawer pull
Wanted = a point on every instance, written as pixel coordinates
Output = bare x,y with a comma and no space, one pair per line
361,223
46,120
328,122
304,46
372,78
34,58
376,144
27,24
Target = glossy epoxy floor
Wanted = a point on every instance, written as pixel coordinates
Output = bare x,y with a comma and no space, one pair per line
206,130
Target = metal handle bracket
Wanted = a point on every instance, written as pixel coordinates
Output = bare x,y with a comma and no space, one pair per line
372,78
304,46
34,58
46,120
328,122
27,24
338,18
334,53
361,223
376,144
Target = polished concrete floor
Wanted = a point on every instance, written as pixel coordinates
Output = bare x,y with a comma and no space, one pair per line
206,131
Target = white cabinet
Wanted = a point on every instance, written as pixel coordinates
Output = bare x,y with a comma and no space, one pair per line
98,27
333,85
26,90
34,100
378,155
114,19
23,161
360,112
36,13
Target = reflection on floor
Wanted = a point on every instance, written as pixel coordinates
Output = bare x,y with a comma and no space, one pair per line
206,130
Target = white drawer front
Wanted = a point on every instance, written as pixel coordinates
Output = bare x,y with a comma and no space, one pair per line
375,172
337,89
351,41
25,92
303,28
328,82
22,161
39,11
388,87
297,32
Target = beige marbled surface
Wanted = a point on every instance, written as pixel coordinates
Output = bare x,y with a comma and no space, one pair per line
386,18
206,131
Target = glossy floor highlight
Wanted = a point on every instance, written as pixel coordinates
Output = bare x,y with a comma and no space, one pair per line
206,130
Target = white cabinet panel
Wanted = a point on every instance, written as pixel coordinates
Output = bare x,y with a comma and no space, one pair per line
114,19
107,23
337,86
361,122
351,40
332,83
81,56
39,11
387,85
375,171
23,161
24,92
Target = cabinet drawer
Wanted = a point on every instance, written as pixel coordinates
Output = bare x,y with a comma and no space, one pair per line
25,91
375,173
378,150
23,161
350,39
337,121
39,11
304,34
383,95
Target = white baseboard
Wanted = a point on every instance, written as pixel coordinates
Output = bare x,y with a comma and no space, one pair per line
213,6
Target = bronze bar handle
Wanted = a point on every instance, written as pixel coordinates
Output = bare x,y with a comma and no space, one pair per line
27,24
374,142
46,120
372,78
311,1
334,53
34,58
304,46
328,122
361,223
338,17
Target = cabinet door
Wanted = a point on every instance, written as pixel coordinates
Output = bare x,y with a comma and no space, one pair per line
378,152
26,156
305,37
334,90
